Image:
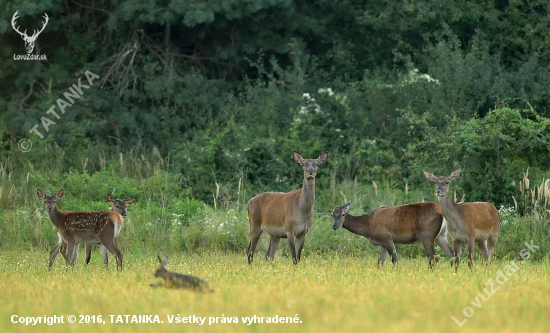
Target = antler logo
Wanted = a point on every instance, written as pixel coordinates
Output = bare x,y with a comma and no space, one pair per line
29,40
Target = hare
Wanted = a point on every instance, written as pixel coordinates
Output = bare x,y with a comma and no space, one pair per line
179,281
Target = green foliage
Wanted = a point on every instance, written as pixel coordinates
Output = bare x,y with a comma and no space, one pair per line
492,151
199,106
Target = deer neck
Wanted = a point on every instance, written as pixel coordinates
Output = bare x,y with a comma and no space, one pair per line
449,208
307,197
55,217
357,224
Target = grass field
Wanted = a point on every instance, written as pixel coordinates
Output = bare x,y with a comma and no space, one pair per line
327,294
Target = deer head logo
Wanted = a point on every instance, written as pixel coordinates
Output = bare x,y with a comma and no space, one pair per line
29,40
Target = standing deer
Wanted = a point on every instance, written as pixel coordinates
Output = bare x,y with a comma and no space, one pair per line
76,227
406,224
119,206
285,215
467,222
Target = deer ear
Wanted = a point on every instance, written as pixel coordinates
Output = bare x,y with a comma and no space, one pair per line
346,206
40,193
298,158
430,176
59,194
130,201
455,174
110,198
322,158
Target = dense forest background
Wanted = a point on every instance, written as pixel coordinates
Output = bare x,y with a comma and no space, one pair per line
221,92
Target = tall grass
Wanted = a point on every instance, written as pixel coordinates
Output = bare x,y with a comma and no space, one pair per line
166,219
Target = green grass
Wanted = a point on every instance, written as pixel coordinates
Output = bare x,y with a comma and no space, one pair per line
329,293
336,288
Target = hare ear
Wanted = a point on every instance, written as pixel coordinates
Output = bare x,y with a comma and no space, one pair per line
160,260
164,262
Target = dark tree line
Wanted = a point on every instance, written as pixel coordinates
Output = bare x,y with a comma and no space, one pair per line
228,88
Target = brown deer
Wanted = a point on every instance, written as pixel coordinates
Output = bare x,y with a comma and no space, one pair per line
285,215
119,206
76,227
406,224
467,222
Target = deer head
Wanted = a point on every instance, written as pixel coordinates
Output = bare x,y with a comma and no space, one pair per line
339,215
49,200
29,40
120,205
442,183
310,165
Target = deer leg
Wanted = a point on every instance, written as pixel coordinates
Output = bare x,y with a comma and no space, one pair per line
273,244
383,254
484,251
470,245
75,254
393,254
105,255
88,252
292,247
457,249
430,252
493,239
71,251
255,234
63,249
300,245
54,252
443,243
111,246
387,242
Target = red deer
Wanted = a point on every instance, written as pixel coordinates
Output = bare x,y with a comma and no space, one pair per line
285,215
119,206
467,222
76,227
406,224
